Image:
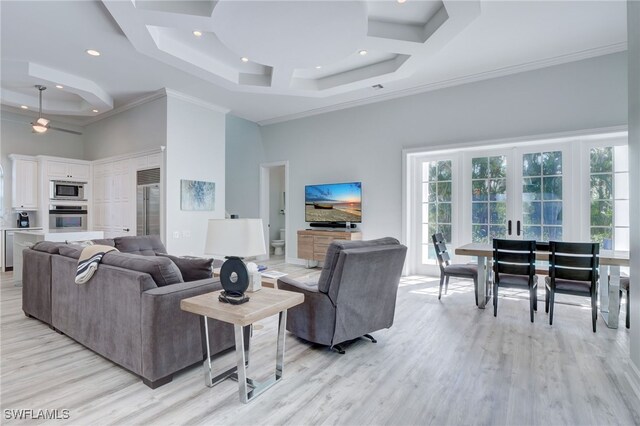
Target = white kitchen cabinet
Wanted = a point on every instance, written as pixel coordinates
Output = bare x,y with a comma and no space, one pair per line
24,182
67,170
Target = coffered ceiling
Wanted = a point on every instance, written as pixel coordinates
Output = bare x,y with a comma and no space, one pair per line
274,60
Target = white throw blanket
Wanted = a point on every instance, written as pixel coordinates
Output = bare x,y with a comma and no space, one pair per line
89,260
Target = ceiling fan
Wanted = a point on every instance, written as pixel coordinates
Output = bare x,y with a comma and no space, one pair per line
41,125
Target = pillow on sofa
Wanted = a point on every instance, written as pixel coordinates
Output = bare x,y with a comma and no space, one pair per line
48,247
162,270
105,242
192,268
146,245
71,250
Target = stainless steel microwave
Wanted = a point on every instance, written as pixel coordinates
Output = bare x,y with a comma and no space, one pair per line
67,218
67,190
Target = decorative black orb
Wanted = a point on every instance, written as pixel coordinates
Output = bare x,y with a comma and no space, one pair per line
234,276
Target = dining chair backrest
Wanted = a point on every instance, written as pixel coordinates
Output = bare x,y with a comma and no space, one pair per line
441,250
574,261
514,257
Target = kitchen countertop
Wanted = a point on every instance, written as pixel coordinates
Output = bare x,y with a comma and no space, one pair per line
22,229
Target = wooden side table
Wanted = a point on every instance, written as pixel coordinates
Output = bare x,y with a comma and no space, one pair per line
262,304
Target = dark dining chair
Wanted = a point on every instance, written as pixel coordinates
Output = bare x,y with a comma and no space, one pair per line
514,267
573,270
447,269
624,287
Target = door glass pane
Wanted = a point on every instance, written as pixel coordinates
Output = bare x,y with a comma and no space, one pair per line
542,195
488,198
609,180
436,205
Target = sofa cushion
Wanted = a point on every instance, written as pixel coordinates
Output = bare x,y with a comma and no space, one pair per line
71,250
333,252
192,268
48,247
162,269
146,245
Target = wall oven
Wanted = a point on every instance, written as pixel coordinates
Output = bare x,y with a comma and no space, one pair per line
67,218
67,190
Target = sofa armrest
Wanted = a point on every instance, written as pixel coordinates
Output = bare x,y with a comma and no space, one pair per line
174,339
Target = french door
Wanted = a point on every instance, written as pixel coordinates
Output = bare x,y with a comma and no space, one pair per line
575,189
515,193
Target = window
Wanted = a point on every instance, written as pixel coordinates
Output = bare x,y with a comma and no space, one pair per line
542,196
436,204
488,198
609,183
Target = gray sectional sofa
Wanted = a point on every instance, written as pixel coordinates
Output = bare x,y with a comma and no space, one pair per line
129,311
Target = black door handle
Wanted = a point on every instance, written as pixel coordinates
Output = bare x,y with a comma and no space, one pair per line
518,228
509,227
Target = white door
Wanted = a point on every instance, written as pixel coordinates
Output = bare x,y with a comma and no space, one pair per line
516,193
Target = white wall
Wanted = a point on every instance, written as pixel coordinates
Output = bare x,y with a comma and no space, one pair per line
633,31
16,138
195,151
244,153
276,188
137,129
365,143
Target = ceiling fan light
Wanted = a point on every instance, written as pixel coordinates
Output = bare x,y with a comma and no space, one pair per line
42,121
38,128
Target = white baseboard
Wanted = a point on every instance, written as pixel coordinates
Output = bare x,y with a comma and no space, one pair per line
633,376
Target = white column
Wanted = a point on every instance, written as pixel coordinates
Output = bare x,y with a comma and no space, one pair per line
633,37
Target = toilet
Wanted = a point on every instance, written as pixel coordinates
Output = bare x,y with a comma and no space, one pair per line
278,245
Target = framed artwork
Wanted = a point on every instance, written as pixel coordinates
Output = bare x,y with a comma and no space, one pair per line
197,195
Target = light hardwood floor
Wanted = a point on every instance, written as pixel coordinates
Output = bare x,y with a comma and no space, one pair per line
442,362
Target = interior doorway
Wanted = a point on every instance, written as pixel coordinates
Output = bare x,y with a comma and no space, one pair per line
274,187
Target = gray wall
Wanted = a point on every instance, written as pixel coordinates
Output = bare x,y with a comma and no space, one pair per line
244,153
195,151
633,30
137,129
16,138
365,143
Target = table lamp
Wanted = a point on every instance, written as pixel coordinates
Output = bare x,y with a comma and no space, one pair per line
235,239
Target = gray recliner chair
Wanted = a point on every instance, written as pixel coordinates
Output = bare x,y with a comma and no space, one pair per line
354,296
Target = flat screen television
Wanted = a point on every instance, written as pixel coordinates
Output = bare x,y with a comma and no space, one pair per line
333,203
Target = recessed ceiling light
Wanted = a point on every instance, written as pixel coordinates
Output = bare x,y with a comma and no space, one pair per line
244,59
59,86
95,110
362,52
401,1
24,107
93,52
318,67
197,33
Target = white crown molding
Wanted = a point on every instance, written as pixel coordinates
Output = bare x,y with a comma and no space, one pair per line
122,108
520,140
501,72
633,376
196,101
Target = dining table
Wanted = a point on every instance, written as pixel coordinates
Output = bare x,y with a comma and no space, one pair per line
610,262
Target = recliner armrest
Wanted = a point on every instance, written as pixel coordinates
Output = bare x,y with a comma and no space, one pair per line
301,285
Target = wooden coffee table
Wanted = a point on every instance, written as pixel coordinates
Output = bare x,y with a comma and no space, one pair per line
262,304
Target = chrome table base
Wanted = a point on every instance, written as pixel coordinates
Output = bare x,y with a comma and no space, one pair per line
247,388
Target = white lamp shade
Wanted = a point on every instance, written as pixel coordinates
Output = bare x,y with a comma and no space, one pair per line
235,237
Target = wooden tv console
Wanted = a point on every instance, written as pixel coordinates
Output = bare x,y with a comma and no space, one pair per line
313,245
